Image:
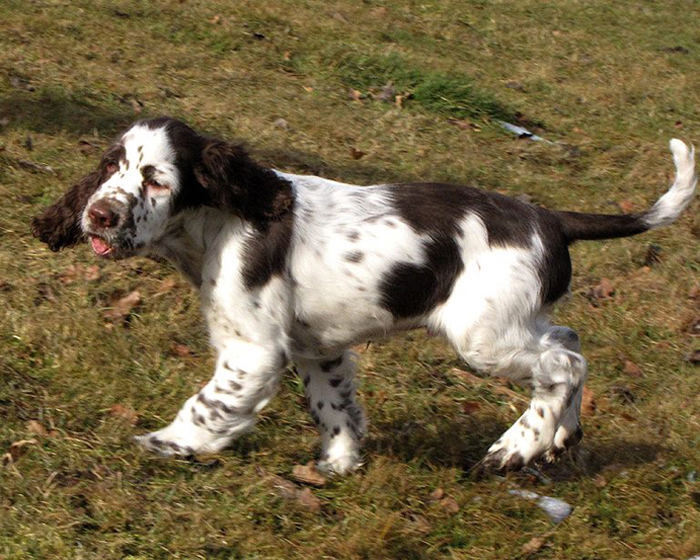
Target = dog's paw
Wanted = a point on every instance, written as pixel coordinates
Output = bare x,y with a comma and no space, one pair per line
339,465
563,441
159,443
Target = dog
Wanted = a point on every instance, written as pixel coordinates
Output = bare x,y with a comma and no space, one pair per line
298,268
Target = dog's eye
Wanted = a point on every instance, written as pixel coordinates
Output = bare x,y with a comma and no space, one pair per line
112,167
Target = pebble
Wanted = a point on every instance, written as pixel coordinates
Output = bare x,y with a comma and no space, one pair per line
556,509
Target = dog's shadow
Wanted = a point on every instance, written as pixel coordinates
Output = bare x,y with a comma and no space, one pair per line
462,444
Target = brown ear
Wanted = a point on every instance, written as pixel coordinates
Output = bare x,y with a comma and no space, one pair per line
235,182
59,225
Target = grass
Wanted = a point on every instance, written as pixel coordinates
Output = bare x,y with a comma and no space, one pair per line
611,81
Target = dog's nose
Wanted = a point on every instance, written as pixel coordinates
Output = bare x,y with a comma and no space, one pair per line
102,215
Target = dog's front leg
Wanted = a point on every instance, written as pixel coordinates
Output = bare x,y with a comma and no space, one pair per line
245,380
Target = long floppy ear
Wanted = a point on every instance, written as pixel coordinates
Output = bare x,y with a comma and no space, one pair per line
235,182
59,225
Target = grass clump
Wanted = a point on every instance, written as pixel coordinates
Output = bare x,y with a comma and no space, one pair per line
451,95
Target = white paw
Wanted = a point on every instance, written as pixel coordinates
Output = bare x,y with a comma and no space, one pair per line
340,465
184,441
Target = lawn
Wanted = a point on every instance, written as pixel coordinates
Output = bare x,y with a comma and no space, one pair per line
364,92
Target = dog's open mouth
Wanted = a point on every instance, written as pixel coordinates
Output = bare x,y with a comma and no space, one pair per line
100,246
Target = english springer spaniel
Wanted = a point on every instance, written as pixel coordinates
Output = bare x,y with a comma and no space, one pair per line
297,268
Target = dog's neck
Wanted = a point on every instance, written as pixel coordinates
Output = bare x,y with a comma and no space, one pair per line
190,237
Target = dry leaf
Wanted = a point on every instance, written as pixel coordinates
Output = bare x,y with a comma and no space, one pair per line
626,206
470,407
339,17
387,93
308,474
290,491
533,545
87,147
287,55
92,273
19,448
306,498
216,19
588,405
122,307
38,429
181,350
69,275
632,369
437,494
604,290
356,154
119,411
308,89
355,94
450,505
399,101
166,286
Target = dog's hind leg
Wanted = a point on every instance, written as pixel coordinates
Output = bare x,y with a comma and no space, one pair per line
550,423
330,394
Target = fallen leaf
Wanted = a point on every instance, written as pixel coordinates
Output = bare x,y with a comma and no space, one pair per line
92,273
694,292
600,481
37,428
387,94
356,154
122,307
626,206
470,407
166,286
340,17
308,474
290,491
181,350
450,505
604,290
87,147
588,404
282,124
19,448
216,19
355,94
287,55
308,89
399,101
632,369
435,495
119,411
69,275
533,545
307,499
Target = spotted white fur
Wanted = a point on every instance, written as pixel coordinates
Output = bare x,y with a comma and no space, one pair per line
350,252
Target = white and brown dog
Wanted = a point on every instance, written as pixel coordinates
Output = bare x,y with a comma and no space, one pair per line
299,268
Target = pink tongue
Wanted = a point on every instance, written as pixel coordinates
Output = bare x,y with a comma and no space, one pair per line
99,246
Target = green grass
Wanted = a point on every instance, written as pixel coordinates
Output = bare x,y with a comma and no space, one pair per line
607,80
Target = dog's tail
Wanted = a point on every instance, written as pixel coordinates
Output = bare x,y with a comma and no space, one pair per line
666,210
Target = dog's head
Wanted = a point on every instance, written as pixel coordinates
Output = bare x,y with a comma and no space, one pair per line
157,170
